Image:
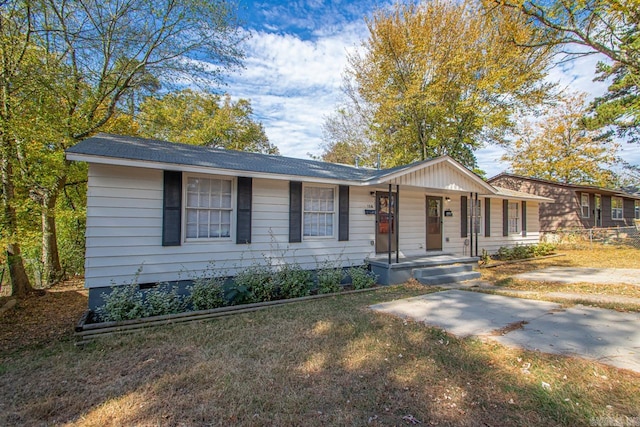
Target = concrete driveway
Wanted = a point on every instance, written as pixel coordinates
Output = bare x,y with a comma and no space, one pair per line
582,274
606,336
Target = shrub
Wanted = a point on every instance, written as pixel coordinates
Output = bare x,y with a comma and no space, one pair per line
253,284
207,293
362,277
123,303
163,299
329,279
524,251
292,281
544,249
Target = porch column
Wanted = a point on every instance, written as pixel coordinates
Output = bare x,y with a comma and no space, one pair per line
477,228
397,211
391,224
471,218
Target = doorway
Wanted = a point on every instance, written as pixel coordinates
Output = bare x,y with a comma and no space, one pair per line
434,223
598,210
385,222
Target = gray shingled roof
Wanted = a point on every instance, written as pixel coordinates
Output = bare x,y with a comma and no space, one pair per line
130,148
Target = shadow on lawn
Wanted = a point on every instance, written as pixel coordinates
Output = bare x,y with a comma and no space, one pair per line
328,362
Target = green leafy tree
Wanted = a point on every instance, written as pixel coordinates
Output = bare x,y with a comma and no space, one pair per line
202,118
443,78
609,27
91,57
558,147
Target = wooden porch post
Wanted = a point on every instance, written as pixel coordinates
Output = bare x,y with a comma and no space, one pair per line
471,224
397,210
390,223
476,231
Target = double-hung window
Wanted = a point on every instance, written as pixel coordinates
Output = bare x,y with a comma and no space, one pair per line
514,217
584,204
319,211
208,208
637,209
616,208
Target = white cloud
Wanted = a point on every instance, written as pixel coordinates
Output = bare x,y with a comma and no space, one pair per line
293,84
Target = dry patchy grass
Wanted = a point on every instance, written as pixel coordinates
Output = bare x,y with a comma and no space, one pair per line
598,256
323,362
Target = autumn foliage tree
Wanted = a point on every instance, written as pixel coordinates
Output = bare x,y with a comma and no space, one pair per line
443,77
558,147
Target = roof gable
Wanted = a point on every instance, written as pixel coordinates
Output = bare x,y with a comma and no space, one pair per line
440,173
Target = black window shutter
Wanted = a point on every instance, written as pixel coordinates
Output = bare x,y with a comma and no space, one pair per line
487,217
505,217
524,218
343,213
463,216
243,222
295,211
172,208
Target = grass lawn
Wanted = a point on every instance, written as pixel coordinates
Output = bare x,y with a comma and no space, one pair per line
324,362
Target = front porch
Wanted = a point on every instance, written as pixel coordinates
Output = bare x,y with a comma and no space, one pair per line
431,269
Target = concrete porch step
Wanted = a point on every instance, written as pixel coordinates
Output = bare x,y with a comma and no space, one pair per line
440,270
440,279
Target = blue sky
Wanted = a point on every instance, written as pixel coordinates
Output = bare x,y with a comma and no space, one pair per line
295,58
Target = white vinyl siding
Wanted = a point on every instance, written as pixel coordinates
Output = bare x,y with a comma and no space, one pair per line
124,232
124,229
514,217
584,205
319,211
208,208
616,209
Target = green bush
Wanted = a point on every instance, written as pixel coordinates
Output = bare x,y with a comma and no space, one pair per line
292,281
163,299
253,284
329,279
544,249
362,277
524,251
206,293
123,303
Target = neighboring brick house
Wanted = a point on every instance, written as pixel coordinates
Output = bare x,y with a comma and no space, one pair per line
575,206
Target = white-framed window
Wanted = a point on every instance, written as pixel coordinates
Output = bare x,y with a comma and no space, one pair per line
584,205
319,207
475,216
514,217
616,208
208,208
637,209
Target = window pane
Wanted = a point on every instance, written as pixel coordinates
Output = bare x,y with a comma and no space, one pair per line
318,211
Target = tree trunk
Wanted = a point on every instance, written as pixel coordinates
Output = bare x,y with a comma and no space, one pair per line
20,285
52,270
